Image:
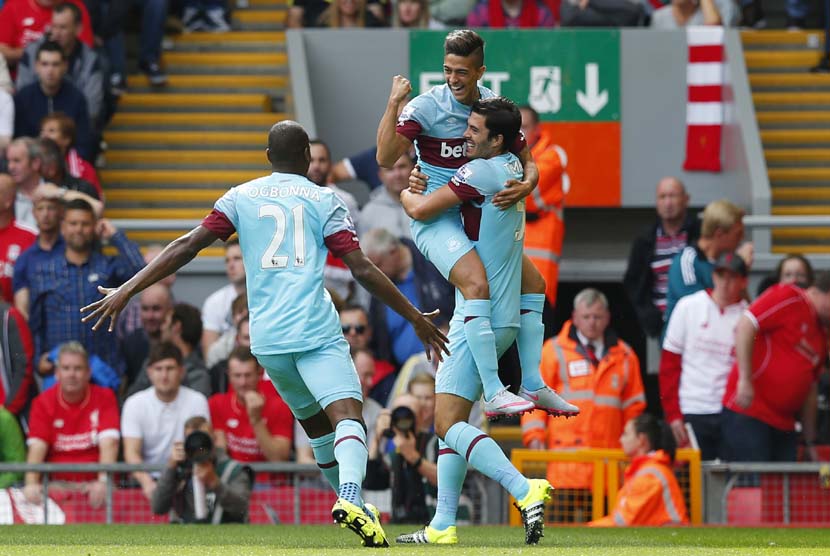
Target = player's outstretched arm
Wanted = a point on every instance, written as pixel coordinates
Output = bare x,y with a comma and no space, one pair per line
376,282
515,190
392,145
426,207
177,254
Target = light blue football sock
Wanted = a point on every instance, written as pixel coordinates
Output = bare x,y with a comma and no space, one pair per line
452,469
351,455
484,454
323,448
530,338
482,343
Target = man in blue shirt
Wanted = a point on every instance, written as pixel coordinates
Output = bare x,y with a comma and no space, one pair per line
63,283
287,225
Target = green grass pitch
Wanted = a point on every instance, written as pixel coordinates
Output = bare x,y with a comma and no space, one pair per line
230,540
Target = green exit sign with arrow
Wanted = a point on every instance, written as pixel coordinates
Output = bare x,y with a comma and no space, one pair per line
566,75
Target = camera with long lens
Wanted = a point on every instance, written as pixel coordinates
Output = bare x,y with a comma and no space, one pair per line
198,448
402,420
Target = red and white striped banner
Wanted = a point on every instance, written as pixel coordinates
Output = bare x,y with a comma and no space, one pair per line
705,107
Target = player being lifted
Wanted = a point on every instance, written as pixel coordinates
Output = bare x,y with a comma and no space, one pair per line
498,237
435,121
286,226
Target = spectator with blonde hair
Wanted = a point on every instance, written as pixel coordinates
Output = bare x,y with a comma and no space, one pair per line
413,14
721,231
346,14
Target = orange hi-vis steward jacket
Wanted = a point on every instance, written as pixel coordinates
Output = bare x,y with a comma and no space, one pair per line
608,395
545,226
650,495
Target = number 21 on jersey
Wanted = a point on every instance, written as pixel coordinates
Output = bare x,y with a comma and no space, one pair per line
270,259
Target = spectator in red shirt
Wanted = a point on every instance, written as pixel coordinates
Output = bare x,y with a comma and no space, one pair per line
73,422
14,237
251,421
25,21
780,348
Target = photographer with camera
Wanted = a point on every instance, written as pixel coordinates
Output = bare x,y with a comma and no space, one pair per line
201,483
409,467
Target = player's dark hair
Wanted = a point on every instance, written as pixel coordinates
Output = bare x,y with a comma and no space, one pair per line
242,354
191,319
67,6
164,350
822,281
465,43
79,204
288,145
502,117
658,433
50,46
50,154
803,260
532,111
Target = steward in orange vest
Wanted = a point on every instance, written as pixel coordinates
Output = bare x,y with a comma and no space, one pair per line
650,494
606,386
545,224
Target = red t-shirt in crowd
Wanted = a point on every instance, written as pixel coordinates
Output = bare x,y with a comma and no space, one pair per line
14,239
231,417
73,431
790,347
24,21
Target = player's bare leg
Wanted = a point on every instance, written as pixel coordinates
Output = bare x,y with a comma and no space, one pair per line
470,277
529,341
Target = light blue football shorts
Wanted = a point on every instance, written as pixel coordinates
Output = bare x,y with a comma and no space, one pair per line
442,241
458,373
309,381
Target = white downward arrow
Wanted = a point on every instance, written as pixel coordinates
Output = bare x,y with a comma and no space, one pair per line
592,100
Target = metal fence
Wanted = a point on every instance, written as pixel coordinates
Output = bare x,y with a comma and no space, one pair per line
767,493
282,493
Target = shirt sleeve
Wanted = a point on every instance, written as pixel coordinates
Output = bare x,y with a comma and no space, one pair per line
215,409
415,117
280,418
339,230
40,426
519,144
7,26
224,219
109,419
772,309
21,278
470,182
675,339
130,423
6,114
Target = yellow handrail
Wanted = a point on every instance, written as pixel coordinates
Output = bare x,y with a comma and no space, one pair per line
606,479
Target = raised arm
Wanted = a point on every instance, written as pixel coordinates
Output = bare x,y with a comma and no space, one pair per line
177,254
376,282
391,144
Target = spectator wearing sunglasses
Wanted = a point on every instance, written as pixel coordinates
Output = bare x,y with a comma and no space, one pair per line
355,323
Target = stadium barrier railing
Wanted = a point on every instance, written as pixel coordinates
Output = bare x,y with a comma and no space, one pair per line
283,493
767,494
608,468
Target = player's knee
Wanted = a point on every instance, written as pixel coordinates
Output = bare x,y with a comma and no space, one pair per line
475,286
533,283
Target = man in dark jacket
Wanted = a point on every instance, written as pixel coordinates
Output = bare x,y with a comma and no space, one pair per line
394,339
646,278
225,484
83,66
52,93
